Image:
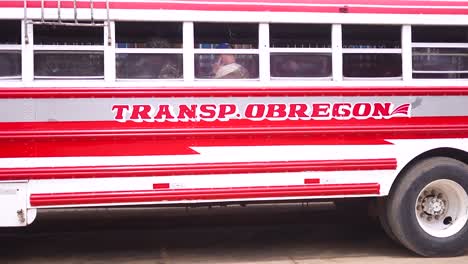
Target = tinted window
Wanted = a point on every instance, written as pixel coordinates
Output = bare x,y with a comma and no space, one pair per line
148,35
372,65
68,35
300,36
236,36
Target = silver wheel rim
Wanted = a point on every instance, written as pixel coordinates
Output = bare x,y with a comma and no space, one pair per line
442,208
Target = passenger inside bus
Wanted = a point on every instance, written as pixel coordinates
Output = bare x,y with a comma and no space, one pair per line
226,66
150,66
167,66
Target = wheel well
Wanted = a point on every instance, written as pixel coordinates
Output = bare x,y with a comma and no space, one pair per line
438,152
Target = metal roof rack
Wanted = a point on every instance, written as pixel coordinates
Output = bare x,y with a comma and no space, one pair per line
60,22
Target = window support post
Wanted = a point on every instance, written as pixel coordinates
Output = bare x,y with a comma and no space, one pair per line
109,53
27,52
337,53
264,52
188,52
406,53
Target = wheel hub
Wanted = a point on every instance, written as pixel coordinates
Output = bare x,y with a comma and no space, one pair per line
441,208
434,206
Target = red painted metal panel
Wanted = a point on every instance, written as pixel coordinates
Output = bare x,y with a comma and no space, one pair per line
313,181
94,147
61,199
140,92
371,129
195,169
334,6
161,186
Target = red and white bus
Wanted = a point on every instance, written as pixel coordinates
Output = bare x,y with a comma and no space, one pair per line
179,102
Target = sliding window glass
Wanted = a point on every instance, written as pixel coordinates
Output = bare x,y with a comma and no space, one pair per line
68,52
372,52
440,52
10,49
149,50
226,51
300,51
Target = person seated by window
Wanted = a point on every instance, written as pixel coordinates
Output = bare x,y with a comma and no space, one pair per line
165,63
226,66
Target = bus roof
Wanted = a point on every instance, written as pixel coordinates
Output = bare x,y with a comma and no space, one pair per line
450,7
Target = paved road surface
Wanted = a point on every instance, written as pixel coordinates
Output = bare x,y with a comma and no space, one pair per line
256,234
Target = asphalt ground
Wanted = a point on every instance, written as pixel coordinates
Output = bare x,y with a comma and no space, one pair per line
287,233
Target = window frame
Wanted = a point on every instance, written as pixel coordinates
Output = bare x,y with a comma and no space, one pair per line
264,51
304,50
47,48
133,50
441,45
239,51
372,50
15,48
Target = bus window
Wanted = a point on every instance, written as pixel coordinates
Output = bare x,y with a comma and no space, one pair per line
371,36
226,51
10,49
440,52
372,65
300,50
300,36
68,52
372,51
149,50
300,65
68,35
68,64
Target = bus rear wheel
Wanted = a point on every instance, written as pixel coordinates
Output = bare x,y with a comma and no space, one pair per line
427,209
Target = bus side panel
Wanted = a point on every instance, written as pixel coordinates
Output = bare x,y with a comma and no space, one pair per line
13,203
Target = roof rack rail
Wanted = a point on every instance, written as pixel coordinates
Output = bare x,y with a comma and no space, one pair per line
60,22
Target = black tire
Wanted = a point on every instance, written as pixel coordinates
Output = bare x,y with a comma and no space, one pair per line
383,218
401,215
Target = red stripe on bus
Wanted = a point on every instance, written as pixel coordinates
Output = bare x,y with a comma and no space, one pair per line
137,4
140,92
346,2
394,128
195,169
408,10
292,8
313,181
397,7
93,147
161,186
183,195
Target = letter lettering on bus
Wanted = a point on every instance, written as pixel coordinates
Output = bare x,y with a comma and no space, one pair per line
276,112
298,111
342,111
120,112
164,113
141,113
381,110
208,112
321,111
187,113
362,110
255,112
226,111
